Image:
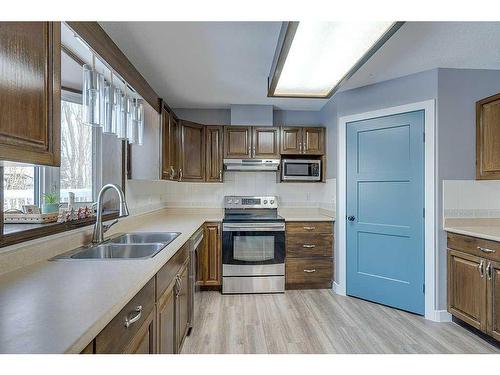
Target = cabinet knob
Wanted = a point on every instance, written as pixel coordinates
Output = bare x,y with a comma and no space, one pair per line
351,218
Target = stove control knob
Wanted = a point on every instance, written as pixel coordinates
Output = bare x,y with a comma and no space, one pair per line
271,201
265,201
230,201
236,201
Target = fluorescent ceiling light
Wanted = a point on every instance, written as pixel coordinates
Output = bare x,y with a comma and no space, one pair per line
315,58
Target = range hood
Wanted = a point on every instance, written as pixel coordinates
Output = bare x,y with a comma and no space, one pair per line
251,165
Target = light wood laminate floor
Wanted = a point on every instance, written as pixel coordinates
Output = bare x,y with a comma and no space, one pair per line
319,321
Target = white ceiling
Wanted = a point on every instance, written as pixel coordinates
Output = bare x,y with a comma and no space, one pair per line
216,64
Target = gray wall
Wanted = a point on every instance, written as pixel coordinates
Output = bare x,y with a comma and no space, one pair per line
146,158
223,116
254,115
404,90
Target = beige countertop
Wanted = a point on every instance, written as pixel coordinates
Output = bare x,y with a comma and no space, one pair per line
60,306
487,228
306,214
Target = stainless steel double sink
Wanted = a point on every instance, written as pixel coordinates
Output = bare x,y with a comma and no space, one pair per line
137,245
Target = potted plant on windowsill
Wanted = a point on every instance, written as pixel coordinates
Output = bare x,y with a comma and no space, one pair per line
51,203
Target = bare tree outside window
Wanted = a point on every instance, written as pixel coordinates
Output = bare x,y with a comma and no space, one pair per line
76,154
19,186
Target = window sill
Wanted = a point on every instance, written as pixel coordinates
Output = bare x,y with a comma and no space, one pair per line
17,233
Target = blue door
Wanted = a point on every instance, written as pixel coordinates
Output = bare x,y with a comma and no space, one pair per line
385,210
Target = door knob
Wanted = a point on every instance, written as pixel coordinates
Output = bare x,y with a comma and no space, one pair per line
351,218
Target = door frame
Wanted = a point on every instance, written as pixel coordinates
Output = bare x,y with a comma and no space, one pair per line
430,177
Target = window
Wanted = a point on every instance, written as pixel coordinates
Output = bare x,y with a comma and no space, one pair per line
76,154
20,185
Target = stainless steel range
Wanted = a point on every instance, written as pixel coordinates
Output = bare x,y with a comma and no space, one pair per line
253,246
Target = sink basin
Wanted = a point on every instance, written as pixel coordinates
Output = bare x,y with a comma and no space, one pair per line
138,245
114,251
145,238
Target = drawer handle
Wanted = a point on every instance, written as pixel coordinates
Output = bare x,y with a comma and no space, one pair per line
486,250
481,268
310,271
309,228
488,270
308,246
133,316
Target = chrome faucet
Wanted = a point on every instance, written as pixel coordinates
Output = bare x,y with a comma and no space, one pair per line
99,228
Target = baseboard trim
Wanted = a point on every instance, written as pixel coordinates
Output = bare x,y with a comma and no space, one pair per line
338,289
441,316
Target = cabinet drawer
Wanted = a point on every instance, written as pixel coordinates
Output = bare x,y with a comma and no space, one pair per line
472,245
309,245
309,270
115,337
167,273
309,227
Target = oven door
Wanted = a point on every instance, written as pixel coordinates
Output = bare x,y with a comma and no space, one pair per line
253,244
301,170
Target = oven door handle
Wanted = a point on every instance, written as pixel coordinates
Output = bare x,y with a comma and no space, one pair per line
253,227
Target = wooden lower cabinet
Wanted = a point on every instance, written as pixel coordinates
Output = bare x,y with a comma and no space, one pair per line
210,267
166,320
309,255
144,342
129,325
182,307
467,288
474,282
493,299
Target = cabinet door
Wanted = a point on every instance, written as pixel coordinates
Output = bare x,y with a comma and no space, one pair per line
313,141
211,257
265,142
170,146
192,152
291,140
182,307
467,288
144,341
214,158
237,142
493,305
488,138
30,97
166,321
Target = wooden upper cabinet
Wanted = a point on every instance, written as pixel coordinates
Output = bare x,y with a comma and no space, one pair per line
291,140
467,288
488,138
30,97
192,152
313,141
297,140
170,146
493,298
238,142
265,142
214,153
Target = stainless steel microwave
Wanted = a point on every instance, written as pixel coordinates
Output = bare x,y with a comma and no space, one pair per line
300,170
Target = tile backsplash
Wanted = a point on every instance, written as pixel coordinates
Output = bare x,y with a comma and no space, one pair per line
147,195
471,199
